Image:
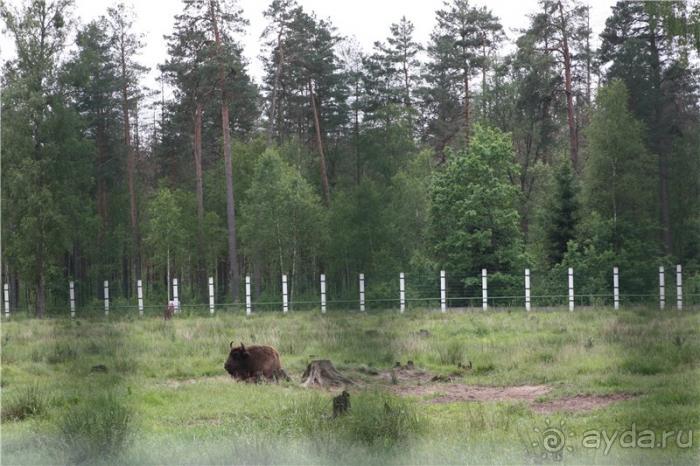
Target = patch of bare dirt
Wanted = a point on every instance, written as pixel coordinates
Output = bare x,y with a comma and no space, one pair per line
404,375
454,392
579,402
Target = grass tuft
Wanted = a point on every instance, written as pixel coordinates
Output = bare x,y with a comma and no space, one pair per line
96,428
28,403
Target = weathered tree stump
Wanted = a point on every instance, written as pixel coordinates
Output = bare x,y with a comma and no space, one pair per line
322,373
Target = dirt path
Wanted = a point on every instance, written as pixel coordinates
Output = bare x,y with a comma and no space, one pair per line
422,384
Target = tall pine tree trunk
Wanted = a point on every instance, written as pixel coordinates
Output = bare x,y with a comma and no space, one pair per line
275,87
319,142
466,106
573,139
199,183
101,195
41,292
130,169
228,167
661,147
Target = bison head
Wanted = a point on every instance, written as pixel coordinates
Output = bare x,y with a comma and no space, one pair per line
238,360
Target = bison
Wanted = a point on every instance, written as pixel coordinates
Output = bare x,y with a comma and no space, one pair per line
254,363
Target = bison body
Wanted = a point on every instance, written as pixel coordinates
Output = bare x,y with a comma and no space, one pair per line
253,363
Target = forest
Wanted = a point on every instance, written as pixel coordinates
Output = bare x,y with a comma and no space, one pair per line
480,148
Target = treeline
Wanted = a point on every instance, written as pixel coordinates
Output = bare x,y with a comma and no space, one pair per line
450,154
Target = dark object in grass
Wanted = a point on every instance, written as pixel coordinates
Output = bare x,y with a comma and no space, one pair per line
423,333
322,373
254,363
169,311
99,368
369,370
409,365
341,404
464,366
678,341
588,344
397,364
442,378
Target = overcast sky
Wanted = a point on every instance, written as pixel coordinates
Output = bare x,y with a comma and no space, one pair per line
367,20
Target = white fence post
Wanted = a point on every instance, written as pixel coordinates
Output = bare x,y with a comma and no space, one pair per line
527,289
443,291
248,297
402,292
323,293
176,296
662,288
484,290
211,296
71,296
285,303
616,288
679,287
571,289
362,292
6,293
139,295
106,297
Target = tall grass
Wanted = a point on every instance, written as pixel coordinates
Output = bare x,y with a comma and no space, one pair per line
97,428
30,402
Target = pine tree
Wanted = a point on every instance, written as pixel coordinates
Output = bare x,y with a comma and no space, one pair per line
561,214
126,45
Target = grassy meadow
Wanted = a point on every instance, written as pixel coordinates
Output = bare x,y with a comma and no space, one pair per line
165,398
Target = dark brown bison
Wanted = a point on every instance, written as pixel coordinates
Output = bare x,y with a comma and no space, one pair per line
254,363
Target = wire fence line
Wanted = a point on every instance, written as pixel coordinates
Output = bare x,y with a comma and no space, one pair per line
441,291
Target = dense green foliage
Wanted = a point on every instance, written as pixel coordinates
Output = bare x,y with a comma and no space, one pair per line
462,153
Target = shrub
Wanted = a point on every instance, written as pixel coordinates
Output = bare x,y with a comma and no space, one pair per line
96,428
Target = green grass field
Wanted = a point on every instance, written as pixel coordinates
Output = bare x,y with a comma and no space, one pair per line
165,398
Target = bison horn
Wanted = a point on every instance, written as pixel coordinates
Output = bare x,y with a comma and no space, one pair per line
231,345
242,347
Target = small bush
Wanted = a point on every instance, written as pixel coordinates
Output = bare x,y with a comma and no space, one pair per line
96,428
31,402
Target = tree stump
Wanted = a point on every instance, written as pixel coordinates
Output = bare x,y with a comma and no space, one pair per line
322,373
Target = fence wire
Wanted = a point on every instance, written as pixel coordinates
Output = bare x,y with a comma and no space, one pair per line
548,289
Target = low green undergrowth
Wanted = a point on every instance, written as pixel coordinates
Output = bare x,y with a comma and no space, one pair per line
162,395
